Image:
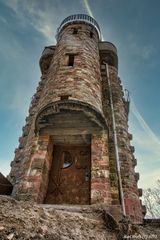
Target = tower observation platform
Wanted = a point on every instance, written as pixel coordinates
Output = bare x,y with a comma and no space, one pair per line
79,18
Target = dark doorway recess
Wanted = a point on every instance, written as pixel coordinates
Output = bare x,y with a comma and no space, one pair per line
69,181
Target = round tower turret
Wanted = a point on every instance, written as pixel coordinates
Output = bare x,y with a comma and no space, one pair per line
72,68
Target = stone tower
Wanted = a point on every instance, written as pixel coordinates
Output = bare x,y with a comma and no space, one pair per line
75,147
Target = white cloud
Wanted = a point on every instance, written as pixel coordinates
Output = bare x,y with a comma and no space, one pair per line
5,166
13,4
43,21
40,19
144,51
15,50
2,19
147,51
148,150
87,7
154,141
149,179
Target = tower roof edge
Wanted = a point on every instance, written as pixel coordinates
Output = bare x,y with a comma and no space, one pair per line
77,18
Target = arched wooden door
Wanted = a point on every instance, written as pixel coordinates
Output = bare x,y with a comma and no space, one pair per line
69,181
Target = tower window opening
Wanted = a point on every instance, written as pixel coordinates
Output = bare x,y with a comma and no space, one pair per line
65,97
91,34
75,30
71,59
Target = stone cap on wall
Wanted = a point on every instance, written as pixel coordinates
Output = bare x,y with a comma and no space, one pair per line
107,46
49,50
46,57
78,18
108,53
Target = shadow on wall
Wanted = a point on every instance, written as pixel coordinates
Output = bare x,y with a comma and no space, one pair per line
5,186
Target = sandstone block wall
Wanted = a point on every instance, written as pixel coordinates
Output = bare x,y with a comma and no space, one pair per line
81,93
79,82
127,160
100,184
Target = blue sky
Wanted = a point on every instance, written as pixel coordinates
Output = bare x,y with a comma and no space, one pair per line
27,26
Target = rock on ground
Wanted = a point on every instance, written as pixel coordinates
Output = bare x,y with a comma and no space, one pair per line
24,220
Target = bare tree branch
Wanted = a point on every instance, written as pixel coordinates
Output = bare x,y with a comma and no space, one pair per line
151,199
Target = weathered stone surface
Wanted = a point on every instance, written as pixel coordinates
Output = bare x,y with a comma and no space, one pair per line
127,160
22,220
72,106
27,221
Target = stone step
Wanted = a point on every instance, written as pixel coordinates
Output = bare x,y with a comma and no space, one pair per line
68,208
91,211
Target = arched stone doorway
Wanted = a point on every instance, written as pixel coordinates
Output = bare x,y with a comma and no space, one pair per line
72,151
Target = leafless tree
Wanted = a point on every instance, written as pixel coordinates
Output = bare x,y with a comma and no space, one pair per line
151,199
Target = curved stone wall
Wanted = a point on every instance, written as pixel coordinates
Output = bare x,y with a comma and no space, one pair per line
82,81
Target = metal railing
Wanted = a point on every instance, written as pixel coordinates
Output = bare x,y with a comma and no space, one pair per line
79,18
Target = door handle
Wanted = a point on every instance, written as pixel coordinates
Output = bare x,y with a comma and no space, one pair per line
87,176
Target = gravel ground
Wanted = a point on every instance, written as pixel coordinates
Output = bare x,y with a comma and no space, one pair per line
24,220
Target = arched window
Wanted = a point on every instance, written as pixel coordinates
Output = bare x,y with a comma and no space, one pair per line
67,159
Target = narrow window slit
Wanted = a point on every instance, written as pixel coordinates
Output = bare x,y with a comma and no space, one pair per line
75,30
91,34
64,97
71,59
